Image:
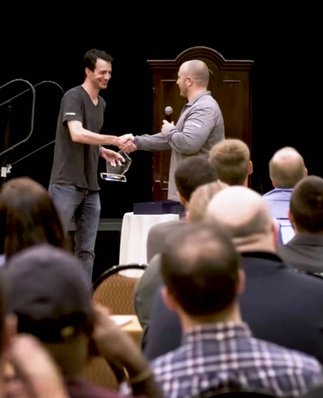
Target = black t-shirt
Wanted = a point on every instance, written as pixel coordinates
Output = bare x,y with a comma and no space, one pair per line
77,164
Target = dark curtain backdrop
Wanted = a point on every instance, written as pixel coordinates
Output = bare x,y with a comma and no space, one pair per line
286,77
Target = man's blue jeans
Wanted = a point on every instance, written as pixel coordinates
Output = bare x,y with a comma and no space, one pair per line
82,208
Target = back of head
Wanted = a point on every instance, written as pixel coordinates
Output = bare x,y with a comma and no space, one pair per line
242,212
28,216
200,268
192,172
200,199
286,168
197,70
46,289
231,160
306,205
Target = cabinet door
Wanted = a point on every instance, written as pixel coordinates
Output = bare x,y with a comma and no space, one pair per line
230,86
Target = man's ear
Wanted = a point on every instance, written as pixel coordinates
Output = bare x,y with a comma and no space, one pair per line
250,167
168,299
292,220
276,232
241,282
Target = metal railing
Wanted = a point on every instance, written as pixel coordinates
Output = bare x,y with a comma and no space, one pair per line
6,166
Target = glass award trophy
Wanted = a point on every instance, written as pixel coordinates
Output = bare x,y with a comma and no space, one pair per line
117,173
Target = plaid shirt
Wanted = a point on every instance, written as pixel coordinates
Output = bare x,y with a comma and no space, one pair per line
226,354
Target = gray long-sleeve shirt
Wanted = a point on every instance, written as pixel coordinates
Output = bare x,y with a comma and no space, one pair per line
199,127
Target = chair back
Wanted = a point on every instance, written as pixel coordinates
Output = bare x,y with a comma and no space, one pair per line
115,288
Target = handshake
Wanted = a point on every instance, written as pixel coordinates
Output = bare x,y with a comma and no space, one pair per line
126,143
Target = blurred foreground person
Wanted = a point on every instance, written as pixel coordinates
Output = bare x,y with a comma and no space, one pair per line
51,300
28,217
279,304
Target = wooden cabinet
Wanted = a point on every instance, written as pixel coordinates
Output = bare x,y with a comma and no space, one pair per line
230,86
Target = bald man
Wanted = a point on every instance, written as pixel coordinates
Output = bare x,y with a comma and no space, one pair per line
199,126
286,168
279,304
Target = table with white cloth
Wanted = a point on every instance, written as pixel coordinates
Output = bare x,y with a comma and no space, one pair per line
134,233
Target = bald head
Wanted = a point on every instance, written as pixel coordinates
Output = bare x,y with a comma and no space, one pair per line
197,70
241,211
286,168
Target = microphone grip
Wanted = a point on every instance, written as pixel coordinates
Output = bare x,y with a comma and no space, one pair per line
168,113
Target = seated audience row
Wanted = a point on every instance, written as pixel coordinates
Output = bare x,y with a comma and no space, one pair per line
200,267
280,305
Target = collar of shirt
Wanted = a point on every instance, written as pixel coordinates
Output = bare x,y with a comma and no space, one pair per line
217,331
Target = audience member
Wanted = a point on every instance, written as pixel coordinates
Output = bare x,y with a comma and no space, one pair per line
200,124
201,271
37,380
28,217
286,168
51,300
189,174
150,281
280,305
200,199
305,250
231,160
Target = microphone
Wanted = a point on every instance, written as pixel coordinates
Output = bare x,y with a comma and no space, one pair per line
168,113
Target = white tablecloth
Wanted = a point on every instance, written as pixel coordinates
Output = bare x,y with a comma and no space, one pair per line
134,233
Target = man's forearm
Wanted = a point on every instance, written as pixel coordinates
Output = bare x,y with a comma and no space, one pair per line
155,142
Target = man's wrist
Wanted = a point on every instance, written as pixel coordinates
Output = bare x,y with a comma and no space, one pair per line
137,141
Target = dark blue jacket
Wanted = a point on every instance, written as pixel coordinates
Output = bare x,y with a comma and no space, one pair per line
280,305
